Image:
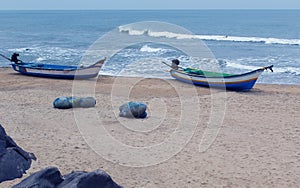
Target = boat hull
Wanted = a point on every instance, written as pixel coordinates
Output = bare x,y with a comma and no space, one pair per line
242,82
58,71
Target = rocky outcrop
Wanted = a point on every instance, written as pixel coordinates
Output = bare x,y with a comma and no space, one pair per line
14,161
50,177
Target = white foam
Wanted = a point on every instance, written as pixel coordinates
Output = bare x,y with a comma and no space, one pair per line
39,59
277,69
211,37
131,31
149,49
290,70
240,66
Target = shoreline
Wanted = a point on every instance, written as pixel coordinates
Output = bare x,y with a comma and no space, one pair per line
257,143
113,76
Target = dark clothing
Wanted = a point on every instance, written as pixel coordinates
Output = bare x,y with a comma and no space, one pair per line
14,58
175,63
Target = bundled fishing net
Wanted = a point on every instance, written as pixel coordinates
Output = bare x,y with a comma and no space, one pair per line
74,102
133,110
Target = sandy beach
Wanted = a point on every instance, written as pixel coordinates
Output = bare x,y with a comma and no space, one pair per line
256,133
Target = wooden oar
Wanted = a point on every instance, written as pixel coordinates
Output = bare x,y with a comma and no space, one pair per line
166,64
5,57
9,58
171,66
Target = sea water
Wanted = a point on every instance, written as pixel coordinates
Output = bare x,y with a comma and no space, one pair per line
240,40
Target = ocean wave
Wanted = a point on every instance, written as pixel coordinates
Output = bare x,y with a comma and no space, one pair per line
147,48
288,70
49,54
277,69
269,40
150,49
237,65
47,50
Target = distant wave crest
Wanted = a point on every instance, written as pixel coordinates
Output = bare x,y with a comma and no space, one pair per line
210,37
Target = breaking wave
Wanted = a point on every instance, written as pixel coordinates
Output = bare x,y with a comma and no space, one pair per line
166,34
277,68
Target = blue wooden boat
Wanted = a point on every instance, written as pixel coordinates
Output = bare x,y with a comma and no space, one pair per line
58,71
236,82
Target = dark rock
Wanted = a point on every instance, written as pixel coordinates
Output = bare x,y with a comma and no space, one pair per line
14,161
82,179
51,178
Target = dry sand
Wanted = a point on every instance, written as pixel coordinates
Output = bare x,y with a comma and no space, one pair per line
257,144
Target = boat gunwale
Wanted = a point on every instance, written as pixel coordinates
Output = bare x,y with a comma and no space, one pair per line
66,67
214,82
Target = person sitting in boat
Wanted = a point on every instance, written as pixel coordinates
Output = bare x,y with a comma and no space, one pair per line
175,64
14,58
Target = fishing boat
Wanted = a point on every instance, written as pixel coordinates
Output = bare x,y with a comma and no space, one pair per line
236,82
54,71
58,71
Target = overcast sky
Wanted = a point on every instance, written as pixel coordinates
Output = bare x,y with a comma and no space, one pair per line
147,4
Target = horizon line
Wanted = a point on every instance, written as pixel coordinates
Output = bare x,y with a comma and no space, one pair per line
152,9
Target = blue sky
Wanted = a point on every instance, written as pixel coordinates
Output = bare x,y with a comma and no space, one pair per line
148,4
